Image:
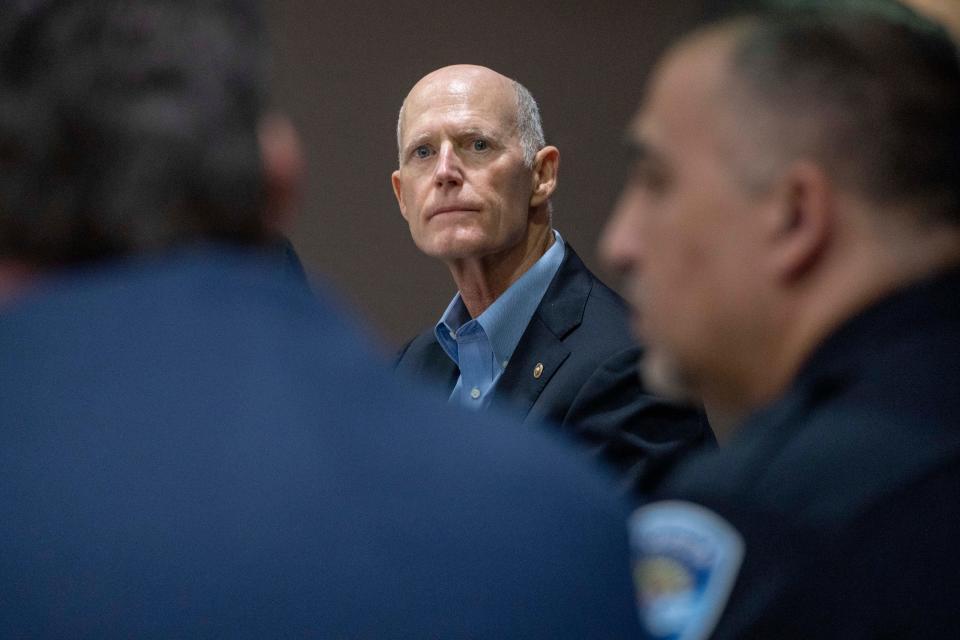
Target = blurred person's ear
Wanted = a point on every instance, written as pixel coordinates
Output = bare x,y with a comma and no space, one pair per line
283,167
800,221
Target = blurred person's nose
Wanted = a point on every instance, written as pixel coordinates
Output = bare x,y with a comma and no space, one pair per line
621,243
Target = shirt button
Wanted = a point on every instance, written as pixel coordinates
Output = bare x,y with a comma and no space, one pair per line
474,393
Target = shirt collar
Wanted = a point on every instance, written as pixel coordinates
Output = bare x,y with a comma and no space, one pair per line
507,318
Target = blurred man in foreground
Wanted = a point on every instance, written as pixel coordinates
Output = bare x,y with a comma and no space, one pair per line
530,329
190,444
790,232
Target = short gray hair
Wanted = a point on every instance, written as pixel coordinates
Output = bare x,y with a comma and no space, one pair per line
529,125
874,98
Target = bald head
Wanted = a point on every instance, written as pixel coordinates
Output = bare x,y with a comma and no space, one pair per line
473,83
471,145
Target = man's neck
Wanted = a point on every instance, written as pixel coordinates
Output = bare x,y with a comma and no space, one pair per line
481,280
818,309
872,271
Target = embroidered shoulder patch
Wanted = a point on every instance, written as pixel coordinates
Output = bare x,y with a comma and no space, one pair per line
685,562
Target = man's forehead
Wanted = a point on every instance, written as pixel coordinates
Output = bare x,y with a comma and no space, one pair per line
457,87
461,79
464,91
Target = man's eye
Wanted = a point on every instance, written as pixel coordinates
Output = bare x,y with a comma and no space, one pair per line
422,151
480,145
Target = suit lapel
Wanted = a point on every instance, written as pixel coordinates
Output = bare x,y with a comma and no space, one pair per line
536,359
439,367
424,360
541,352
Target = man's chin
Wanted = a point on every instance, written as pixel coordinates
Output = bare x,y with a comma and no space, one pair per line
454,249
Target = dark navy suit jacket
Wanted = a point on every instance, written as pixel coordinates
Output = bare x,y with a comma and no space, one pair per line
193,446
589,383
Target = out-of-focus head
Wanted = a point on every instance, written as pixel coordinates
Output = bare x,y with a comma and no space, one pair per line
129,126
769,148
474,169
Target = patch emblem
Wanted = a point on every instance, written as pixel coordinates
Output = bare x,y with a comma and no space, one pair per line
685,561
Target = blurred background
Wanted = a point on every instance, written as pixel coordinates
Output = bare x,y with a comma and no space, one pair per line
342,69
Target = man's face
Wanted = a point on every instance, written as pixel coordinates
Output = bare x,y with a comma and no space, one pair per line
681,231
462,184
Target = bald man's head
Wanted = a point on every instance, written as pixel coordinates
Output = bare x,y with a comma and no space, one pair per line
466,77
475,178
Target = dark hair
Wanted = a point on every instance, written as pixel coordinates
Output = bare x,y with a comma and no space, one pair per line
873,95
127,126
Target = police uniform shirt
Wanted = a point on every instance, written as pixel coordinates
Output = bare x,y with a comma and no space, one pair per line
833,513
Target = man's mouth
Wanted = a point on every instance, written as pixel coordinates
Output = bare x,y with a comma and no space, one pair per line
453,208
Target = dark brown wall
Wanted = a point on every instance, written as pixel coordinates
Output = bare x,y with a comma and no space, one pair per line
342,68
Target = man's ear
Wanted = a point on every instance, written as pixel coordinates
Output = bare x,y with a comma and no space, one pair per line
546,164
282,163
398,191
800,221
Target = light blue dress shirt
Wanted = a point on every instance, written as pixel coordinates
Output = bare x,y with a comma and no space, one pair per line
481,347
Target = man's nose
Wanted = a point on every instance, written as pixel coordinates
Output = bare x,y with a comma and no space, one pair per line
621,243
448,170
